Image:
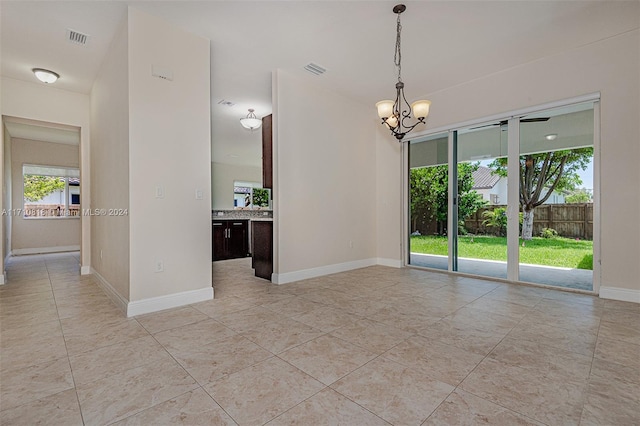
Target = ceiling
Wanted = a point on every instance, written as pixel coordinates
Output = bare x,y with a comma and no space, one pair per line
445,43
40,131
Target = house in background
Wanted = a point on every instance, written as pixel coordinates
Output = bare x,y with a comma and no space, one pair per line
493,188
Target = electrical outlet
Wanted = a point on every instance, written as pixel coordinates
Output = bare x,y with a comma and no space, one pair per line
159,191
350,244
199,194
159,266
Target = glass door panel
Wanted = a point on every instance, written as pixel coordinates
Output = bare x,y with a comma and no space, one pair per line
428,202
556,197
481,201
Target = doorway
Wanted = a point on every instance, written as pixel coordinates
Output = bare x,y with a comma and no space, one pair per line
41,187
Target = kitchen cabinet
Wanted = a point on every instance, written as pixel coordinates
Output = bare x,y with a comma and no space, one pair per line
230,239
262,248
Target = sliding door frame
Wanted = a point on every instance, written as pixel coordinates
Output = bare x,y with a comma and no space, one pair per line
513,177
513,198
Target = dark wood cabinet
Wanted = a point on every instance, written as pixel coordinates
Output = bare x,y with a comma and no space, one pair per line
267,152
262,248
230,239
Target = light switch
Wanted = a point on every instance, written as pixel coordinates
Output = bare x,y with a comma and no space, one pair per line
198,194
159,191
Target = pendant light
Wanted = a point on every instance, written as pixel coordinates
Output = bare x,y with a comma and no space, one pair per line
396,115
251,122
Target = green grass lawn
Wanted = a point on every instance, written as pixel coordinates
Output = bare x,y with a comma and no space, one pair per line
562,252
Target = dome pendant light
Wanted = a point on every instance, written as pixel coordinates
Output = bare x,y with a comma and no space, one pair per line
45,76
394,113
251,122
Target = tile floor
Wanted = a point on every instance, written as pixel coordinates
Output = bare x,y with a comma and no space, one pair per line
375,346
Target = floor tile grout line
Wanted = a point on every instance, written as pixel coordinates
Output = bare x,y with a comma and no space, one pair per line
219,405
73,379
481,361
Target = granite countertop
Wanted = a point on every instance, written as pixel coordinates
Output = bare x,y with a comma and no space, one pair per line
242,214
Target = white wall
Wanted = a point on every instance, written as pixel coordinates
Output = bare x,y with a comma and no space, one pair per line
324,185
110,165
610,67
38,101
389,197
169,146
31,235
222,178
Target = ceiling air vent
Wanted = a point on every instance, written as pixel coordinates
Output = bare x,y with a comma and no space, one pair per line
315,68
77,38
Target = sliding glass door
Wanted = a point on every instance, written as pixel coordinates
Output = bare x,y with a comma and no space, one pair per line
428,202
510,199
556,197
481,201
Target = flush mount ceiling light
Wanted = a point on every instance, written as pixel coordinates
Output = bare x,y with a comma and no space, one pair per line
251,122
45,76
551,137
394,114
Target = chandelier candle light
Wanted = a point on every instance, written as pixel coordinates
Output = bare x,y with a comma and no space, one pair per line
251,122
394,113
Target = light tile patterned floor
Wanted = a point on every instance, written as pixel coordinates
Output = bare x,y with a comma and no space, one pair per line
372,346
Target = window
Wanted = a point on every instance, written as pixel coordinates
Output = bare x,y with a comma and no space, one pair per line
250,196
51,191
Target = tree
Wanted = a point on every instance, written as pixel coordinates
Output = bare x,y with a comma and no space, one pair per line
260,197
579,196
429,192
542,174
37,187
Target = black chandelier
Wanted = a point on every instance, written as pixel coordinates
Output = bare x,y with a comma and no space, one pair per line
394,114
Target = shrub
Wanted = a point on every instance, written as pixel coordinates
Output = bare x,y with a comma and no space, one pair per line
461,229
548,233
496,218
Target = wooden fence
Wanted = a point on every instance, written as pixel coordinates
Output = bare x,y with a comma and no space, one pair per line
570,220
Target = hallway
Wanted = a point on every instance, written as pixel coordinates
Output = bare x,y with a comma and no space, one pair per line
371,346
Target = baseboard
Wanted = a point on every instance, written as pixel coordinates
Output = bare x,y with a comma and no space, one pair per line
392,263
304,274
622,294
85,270
41,250
154,304
112,293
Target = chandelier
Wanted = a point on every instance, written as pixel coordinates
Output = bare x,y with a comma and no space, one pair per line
396,115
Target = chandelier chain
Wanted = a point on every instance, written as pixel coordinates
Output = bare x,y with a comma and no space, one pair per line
397,57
